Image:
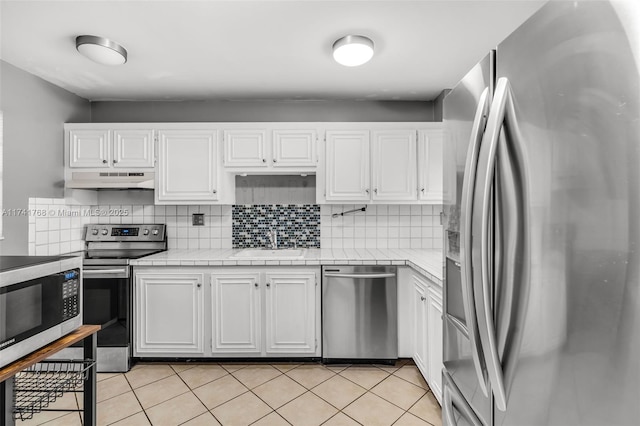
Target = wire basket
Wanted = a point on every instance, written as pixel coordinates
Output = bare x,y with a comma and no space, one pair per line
41,384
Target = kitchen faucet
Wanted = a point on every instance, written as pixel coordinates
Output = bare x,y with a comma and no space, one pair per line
273,239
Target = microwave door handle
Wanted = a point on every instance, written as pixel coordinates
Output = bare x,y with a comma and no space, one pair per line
466,269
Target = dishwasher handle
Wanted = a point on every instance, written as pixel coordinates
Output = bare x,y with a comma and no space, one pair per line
382,275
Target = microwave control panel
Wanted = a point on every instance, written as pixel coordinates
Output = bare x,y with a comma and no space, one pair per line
70,294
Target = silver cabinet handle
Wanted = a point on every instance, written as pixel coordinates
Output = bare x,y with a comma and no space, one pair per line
366,190
264,160
422,190
115,161
104,161
466,273
388,275
275,161
199,285
375,190
215,191
268,284
423,298
255,285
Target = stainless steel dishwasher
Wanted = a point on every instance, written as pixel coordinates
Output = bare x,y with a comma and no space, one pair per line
359,313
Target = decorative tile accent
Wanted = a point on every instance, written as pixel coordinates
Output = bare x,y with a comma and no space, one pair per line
292,222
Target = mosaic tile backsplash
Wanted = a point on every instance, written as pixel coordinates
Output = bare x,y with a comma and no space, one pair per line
299,223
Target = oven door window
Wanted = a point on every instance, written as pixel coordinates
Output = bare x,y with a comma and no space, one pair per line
29,308
106,303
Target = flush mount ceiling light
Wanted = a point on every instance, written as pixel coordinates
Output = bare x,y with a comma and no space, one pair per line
353,50
101,50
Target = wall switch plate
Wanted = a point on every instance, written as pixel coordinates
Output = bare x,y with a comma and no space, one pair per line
197,219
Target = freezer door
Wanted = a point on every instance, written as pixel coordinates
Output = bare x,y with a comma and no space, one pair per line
568,339
465,110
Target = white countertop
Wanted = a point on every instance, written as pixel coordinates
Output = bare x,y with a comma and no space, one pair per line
428,262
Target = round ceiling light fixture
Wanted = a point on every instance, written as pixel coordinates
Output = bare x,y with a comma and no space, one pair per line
353,50
101,50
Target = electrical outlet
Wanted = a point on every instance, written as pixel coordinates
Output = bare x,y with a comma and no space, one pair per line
197,219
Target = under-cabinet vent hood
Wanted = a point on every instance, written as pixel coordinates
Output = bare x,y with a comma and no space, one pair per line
111,180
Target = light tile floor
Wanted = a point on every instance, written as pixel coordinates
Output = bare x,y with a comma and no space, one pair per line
275,394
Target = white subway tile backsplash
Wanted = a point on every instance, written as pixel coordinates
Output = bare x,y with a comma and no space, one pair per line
380,226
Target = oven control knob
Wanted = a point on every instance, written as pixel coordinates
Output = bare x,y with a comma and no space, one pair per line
105,232
145,232
156,232
94,232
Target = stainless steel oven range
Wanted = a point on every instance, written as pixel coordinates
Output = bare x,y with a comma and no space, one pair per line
108,285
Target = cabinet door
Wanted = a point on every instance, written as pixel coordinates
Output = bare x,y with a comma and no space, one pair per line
394,165
434,336
290,312
420,323
89,148
236,312
245,148
187,170
169,310
133,148
294,148
430,155
347,165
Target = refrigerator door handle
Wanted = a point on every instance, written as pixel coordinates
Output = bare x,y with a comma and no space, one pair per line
452,395
466,275
502,104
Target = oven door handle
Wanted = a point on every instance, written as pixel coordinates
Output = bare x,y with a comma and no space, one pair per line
104,271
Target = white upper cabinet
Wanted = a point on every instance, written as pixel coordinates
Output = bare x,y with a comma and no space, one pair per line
187,169
272,148
430,157
394,165
294,148
108,147
245,148
347,165
133,148
90,148
371,166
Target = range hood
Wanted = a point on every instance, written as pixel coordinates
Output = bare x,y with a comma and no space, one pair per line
111,180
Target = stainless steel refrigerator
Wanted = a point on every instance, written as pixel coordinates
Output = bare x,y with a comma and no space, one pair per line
542,292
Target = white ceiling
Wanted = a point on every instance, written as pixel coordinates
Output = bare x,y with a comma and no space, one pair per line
268,49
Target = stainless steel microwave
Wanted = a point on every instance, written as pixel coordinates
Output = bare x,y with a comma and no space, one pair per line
38,304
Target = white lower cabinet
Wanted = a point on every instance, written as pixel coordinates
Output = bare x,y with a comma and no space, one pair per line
227,312
434,335
271,312
236,312
420,325
290,312
168,314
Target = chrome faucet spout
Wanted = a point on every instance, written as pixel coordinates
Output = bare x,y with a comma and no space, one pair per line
273,239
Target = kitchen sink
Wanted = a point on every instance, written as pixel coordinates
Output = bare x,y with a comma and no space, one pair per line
269,254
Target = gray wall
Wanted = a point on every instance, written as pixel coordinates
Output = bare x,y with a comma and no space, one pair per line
439,104
238,111
34,111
